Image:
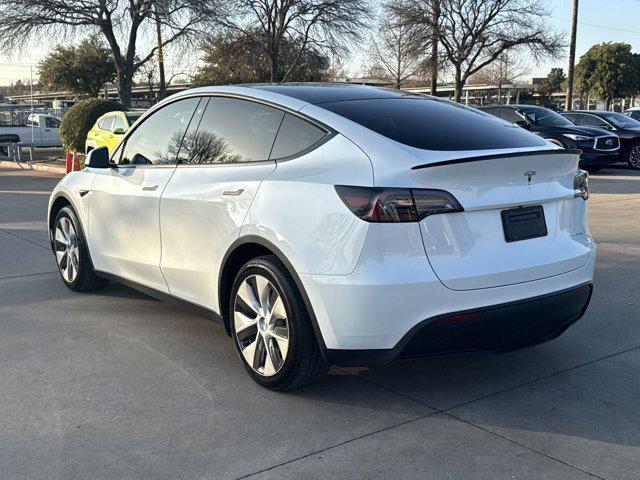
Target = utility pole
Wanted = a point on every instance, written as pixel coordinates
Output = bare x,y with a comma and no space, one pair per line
568,103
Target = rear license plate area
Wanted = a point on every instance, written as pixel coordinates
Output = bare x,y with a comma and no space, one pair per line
523,223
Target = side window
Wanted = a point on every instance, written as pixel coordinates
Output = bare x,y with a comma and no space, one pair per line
51,122
635,114
118,123
572,117
106,123
510,115
157,140
232,130
294,136
33,122
592,121
492,111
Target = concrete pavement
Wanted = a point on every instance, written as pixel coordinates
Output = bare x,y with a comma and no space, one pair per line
119,385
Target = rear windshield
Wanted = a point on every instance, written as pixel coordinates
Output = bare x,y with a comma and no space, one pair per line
432,124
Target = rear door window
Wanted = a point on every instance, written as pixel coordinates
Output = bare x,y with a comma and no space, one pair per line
231,131
433,124
592,121
295,135
106,123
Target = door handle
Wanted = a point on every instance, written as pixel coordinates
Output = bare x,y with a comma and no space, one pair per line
233,192
150,188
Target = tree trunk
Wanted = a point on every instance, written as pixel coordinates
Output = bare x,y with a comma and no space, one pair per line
607,103
162,87
434,46
457,93
124,86
275,67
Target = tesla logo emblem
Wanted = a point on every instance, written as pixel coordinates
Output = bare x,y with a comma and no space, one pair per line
530,174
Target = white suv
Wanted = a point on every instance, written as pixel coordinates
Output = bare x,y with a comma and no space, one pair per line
335,224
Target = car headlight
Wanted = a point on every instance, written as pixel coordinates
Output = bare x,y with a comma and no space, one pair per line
581,185
577,138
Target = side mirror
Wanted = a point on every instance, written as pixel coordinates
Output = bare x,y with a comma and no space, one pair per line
523,124
97,158
119,131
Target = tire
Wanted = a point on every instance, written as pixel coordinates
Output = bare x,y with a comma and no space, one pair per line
72,255
266,309
633,156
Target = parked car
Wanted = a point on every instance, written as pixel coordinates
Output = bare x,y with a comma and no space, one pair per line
599,147
39,130
109,129
633,112
334,224
625,127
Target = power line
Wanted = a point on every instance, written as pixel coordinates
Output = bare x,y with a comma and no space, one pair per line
597,25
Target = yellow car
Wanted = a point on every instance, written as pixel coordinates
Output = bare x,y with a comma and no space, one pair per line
109,129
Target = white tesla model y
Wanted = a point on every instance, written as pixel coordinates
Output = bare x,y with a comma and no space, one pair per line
335,224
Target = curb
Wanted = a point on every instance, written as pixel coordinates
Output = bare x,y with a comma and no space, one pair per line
35,166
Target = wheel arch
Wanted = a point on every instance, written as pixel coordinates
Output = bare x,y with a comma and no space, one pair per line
60,201
239,253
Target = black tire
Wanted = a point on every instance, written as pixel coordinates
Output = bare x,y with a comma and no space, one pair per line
304,363
85,279
632,156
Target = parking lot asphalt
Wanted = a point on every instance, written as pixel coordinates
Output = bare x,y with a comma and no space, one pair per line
117,385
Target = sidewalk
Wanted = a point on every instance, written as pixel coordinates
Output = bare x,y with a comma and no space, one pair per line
53,166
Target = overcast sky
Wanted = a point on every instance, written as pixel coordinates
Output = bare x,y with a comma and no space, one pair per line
600,21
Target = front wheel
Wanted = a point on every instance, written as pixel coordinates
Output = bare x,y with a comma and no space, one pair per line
633,157
271,327
72,255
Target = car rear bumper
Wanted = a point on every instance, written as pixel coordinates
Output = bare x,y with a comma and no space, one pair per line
495,328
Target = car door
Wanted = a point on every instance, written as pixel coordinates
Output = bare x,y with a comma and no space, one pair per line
50,132
222,161
124,201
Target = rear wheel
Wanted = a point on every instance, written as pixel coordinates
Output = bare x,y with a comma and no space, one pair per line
633,157
72,255
271,327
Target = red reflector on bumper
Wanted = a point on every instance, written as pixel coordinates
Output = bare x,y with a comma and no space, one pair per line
458,318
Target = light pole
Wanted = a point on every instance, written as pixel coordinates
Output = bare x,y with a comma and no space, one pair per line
568,103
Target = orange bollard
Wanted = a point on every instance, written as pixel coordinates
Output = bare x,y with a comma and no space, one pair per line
68,161
76,161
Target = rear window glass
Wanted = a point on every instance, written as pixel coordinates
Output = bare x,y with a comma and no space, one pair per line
433,124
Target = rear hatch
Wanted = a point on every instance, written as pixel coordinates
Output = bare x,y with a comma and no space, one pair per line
474,249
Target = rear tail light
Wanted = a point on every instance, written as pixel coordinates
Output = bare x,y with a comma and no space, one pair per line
392,205
581,184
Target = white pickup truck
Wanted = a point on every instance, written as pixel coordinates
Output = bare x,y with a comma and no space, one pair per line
40,130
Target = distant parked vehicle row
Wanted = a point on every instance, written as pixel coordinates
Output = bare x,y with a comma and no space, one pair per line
624,126
109,129
599,147
39,130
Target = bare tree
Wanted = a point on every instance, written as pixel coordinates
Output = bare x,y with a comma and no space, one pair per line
422,18
329,25
505,69
395,48
123,24
474,33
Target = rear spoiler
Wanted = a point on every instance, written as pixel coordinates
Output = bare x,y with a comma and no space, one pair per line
496,156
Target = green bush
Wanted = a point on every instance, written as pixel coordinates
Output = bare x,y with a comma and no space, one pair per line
80,118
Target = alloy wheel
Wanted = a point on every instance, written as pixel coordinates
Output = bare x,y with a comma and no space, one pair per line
634,157
261,325
66,248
